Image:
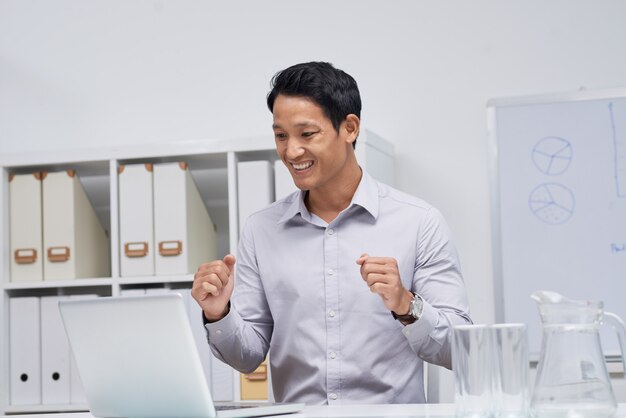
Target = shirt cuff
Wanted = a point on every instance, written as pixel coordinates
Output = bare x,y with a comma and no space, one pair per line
419,331
223,328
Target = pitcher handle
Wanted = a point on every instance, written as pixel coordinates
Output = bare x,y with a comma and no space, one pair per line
618,324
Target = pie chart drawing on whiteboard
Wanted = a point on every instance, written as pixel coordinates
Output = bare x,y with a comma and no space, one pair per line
552,155
552,203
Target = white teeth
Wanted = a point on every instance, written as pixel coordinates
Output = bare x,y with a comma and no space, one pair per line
302,166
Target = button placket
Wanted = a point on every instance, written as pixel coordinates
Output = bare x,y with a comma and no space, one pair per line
333,336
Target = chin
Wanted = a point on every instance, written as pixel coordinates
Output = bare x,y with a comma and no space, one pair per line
305,182
301,186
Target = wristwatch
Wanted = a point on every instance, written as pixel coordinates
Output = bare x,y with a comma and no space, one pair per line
415,311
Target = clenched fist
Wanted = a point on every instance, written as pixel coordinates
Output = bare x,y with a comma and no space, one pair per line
383,278
213,286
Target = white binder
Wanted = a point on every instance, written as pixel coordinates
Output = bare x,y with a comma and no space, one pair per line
55,354
25,227
184,233
132,292
75,243
136,220
220,376
255,188
24,351
199,333
157,290
77,393
283,182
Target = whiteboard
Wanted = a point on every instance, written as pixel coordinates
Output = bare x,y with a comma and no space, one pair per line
558,171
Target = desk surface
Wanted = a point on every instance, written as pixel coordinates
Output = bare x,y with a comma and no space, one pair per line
339,411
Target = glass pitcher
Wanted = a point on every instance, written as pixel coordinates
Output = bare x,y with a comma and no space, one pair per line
572,380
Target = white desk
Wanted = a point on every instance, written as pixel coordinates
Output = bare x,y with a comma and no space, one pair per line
412,410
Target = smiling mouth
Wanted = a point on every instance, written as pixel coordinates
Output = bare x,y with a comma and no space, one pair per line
302,166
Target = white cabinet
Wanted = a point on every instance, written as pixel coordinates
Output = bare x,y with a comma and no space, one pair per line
210,166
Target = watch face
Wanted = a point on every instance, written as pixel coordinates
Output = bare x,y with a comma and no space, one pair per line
416,307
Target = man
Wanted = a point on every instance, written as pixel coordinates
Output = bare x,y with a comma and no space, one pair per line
322,275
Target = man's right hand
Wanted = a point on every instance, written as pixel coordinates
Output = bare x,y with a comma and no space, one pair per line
213,286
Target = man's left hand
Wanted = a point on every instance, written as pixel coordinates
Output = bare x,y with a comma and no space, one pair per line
383,277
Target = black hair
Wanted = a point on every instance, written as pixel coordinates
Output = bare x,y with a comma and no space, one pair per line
335,91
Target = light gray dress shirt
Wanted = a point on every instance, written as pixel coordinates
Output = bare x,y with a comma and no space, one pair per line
297,285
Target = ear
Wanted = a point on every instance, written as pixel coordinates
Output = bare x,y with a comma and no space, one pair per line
351,126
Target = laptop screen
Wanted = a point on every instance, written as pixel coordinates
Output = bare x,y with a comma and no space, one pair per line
137,357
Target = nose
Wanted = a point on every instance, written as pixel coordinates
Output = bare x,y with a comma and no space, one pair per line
294,149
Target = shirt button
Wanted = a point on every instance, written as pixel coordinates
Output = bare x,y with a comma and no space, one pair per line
331,272
333,354
333,396
331,231
218,332
331,313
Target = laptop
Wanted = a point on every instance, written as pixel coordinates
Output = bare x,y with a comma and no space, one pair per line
137,358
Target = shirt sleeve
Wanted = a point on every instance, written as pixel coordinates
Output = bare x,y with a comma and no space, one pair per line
437,279
242,338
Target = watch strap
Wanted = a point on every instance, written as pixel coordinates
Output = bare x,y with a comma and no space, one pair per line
408,318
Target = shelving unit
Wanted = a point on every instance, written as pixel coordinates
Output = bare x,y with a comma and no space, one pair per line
213,166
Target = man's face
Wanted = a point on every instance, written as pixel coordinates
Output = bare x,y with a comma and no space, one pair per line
306,141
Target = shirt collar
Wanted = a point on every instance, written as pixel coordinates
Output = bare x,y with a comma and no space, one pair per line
296,206
366,196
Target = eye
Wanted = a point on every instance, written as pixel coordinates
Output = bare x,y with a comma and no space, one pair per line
280,135
308,134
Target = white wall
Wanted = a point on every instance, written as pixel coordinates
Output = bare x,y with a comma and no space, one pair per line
76,73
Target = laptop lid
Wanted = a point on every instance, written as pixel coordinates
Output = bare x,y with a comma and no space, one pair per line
137,357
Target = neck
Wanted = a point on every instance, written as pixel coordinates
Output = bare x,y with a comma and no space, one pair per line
327,202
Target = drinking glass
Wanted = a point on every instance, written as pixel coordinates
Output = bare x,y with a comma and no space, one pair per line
472,358
510,371
490,366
